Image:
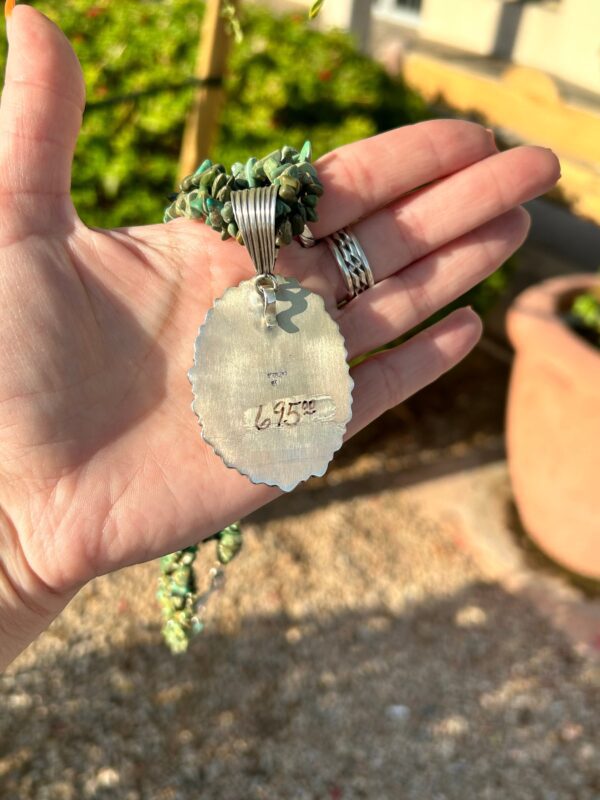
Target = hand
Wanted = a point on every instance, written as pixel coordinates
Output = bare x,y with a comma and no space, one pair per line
102,462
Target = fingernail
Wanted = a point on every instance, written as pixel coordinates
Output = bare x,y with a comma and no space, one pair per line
492,136
8,9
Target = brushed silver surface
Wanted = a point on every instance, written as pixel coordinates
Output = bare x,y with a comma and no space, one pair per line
273,402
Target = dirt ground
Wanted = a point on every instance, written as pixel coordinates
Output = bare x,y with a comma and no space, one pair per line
355,653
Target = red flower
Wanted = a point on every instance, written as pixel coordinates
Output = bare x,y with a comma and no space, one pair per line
325,75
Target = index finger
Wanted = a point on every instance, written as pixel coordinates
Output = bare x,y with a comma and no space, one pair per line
362,177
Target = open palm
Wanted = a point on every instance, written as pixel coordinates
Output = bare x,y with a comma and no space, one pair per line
101,459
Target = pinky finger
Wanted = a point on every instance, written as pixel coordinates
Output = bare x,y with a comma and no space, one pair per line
389,378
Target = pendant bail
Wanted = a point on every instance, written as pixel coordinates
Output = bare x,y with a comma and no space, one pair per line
254,211
266,286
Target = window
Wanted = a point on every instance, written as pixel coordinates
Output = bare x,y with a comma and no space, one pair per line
404,11
408,5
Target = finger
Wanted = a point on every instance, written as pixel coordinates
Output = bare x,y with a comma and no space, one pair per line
424,221
362,177
409,297
41,109
389,378
369,174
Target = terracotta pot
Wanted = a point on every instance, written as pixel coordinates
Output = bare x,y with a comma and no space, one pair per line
553,426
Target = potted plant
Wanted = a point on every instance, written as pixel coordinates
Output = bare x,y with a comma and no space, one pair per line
553,421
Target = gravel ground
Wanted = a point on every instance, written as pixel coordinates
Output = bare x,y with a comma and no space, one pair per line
355,653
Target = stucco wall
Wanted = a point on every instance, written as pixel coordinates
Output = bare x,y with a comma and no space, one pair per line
563,39
467,24
559,36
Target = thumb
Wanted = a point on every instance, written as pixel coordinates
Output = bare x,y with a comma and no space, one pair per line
40,114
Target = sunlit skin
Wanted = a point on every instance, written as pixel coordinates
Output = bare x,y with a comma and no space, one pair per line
101,459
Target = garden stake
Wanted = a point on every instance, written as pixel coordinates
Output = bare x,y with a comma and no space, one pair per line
213,51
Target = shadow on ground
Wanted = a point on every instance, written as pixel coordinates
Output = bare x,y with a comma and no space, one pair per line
355,654
468,696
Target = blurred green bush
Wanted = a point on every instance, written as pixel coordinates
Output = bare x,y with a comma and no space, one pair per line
286,83
584,316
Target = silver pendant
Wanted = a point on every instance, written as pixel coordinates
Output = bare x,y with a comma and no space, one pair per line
271,382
